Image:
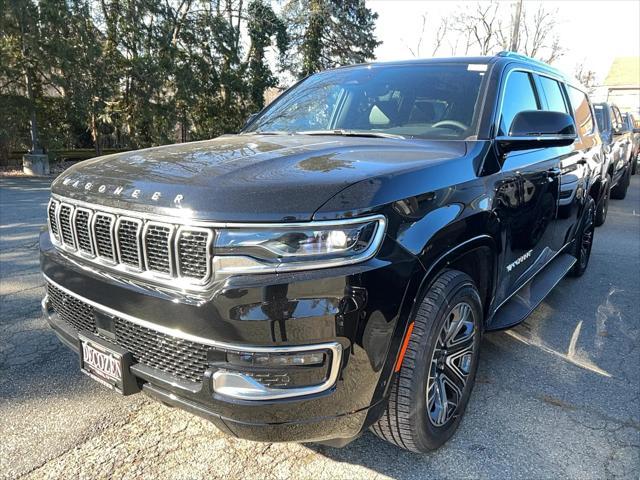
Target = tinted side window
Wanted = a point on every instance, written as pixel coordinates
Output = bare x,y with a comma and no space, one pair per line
582,110
616,118
519,96
600,118
553,94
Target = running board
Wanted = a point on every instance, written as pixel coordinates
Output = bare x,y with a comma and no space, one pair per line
531,294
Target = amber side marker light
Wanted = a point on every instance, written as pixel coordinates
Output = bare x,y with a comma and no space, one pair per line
405,344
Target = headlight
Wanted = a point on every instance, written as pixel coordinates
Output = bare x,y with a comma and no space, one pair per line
300,246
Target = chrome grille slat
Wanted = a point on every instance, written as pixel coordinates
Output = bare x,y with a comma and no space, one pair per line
157,247
52,213
82,224
103,226
65,213
192,246
128,241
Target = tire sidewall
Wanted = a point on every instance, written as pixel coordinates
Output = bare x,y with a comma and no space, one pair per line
428,435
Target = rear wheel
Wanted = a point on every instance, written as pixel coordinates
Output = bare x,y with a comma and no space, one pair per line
430,392
584,241
620,190
634,163
603,204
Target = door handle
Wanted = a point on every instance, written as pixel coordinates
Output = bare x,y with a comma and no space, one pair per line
554,172
582,161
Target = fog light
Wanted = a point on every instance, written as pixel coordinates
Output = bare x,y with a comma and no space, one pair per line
277,359
276,372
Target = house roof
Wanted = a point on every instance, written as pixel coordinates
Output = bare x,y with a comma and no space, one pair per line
624,71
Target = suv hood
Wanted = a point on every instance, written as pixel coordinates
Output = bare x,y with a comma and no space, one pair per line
254,178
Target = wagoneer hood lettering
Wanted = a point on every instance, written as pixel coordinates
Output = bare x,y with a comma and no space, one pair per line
246,177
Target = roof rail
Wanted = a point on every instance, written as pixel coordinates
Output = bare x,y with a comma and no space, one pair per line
519,56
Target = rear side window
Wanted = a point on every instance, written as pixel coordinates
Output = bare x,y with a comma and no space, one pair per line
553,94
518,96
600,117
581,110
616,118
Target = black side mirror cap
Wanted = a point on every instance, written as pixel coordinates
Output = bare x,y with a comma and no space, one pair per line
538,129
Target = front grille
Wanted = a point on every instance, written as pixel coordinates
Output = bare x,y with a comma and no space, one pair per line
53,220
104,238
128,242
65,225
83,229
157,240
174,356
192,252
166,251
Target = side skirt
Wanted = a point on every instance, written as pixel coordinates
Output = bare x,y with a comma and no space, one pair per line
531,294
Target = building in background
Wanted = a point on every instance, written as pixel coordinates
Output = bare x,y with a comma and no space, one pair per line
622,85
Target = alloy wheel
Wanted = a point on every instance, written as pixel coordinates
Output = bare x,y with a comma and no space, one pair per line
451,364
586,241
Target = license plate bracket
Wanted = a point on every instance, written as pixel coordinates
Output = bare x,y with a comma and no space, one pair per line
107,364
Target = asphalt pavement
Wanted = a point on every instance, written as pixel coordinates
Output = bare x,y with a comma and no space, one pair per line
556,397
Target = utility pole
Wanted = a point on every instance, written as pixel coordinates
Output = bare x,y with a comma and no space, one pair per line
516,27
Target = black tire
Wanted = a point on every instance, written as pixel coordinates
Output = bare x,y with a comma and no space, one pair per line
620,190
603,204
634,164
412,419
584,240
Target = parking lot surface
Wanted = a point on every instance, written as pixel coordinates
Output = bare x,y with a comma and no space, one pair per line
558,396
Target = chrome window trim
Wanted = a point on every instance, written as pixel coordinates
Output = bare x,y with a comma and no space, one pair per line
172,231
90,232
209,250
102,259
271,393
116,236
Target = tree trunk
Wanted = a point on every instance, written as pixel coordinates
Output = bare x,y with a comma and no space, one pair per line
33,120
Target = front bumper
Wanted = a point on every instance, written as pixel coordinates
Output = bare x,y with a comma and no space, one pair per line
358,308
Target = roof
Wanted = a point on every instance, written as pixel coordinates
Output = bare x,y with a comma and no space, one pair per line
624,71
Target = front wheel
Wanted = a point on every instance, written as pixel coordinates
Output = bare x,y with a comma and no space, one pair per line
603,204
430,392
583,241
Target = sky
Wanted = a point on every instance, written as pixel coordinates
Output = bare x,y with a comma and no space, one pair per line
593,32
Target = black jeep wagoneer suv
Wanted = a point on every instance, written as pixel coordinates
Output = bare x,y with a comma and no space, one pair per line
333,267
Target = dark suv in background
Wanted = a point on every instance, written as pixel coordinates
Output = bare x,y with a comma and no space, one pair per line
333,267
616,139
633,127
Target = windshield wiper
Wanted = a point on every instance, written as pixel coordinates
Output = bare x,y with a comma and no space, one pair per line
267,132
350,133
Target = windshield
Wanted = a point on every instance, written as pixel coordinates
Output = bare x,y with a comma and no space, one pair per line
424,101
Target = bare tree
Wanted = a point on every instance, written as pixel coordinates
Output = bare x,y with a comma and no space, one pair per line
586,77
479,27
539,37
439,37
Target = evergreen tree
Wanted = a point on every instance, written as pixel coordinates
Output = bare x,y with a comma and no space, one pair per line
329,33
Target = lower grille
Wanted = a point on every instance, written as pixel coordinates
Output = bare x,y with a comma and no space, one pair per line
174,356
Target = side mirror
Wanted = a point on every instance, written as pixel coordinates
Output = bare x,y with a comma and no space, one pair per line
538,129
